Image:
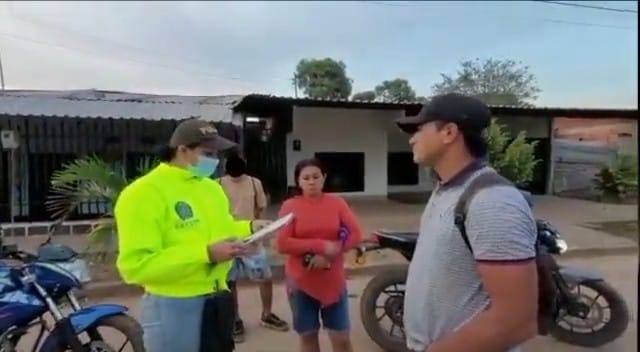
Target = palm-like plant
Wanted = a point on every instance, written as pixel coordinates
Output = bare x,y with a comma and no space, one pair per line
91,179
514,160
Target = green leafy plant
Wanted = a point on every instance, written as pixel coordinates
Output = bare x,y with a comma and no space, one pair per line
619,179
91,179
514,160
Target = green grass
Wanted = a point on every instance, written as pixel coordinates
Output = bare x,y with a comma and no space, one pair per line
626,229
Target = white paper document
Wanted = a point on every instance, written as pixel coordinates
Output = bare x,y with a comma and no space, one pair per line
264,232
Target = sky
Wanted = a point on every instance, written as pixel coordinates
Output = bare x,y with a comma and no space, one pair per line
581,57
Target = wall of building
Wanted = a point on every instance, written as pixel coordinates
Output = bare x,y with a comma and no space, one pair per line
399,142
535,127
343,130
583,146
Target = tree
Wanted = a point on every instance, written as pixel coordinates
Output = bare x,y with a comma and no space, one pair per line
91,179
514,160
323,78
395,90
367,95
496,82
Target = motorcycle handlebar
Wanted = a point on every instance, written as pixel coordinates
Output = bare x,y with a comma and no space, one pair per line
12,252
367,246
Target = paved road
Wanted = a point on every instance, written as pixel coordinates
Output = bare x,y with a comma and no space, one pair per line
621,271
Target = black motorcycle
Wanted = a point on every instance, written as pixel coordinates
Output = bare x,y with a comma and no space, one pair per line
591,312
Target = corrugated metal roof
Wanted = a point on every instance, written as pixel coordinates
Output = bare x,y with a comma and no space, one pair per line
414,107
108,104
333,100
111,104
411,103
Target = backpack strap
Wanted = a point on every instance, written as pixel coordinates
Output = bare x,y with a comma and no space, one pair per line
485,180
255,192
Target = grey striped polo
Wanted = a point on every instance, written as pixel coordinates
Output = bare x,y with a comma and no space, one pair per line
444,290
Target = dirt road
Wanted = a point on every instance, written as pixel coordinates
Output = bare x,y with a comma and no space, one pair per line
621,271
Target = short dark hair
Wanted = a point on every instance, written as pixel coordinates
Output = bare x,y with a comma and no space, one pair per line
301,165
476,144
474,141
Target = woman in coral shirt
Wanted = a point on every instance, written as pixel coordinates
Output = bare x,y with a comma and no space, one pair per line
324,228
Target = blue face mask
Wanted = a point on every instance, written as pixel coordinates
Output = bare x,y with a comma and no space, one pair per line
205,167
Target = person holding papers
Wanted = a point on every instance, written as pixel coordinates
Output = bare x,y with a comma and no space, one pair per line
322,230
177,239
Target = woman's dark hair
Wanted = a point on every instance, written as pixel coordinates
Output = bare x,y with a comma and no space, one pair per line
165,153
235,166
300,166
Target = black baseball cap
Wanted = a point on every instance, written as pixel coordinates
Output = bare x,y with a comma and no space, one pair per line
196,132
469,113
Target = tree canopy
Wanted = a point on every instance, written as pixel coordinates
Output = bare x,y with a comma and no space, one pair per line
495,81
323,78
367,95
395,90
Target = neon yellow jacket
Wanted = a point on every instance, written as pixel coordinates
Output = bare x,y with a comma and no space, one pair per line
165,220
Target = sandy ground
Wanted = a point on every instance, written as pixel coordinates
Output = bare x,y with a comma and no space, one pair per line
620,271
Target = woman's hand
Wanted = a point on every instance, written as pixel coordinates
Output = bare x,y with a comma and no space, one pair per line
225,250
318,262
251,248
331,249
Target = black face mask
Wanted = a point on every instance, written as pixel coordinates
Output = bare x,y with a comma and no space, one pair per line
236,168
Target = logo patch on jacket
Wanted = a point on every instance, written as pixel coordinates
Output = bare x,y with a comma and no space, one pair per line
183,210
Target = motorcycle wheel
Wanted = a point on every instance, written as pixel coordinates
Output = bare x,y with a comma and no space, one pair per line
611,330
126,325
394,276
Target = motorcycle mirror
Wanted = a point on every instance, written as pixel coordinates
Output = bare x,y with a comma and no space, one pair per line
51,231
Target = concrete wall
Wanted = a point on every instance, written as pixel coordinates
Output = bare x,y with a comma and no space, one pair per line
344,130
535,127
399,142
373,133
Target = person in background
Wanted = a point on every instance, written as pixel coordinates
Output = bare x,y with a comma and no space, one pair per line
176,239
323,229
480,296
248,202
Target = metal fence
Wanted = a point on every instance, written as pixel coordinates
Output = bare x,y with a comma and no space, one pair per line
48,143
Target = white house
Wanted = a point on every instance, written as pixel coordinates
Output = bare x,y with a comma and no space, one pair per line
365,152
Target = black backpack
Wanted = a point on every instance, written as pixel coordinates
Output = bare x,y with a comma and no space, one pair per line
547,294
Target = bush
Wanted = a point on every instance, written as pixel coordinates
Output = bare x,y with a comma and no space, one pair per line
514,160
619,179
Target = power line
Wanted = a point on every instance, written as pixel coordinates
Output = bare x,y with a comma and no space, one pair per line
35,41
93,39
383,3
593,7
48,26
585,24
542,19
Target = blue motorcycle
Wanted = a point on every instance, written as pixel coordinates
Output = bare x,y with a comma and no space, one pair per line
40,284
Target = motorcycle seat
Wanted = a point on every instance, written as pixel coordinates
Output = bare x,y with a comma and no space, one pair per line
405,236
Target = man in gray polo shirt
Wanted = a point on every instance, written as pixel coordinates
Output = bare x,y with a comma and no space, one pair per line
458,300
